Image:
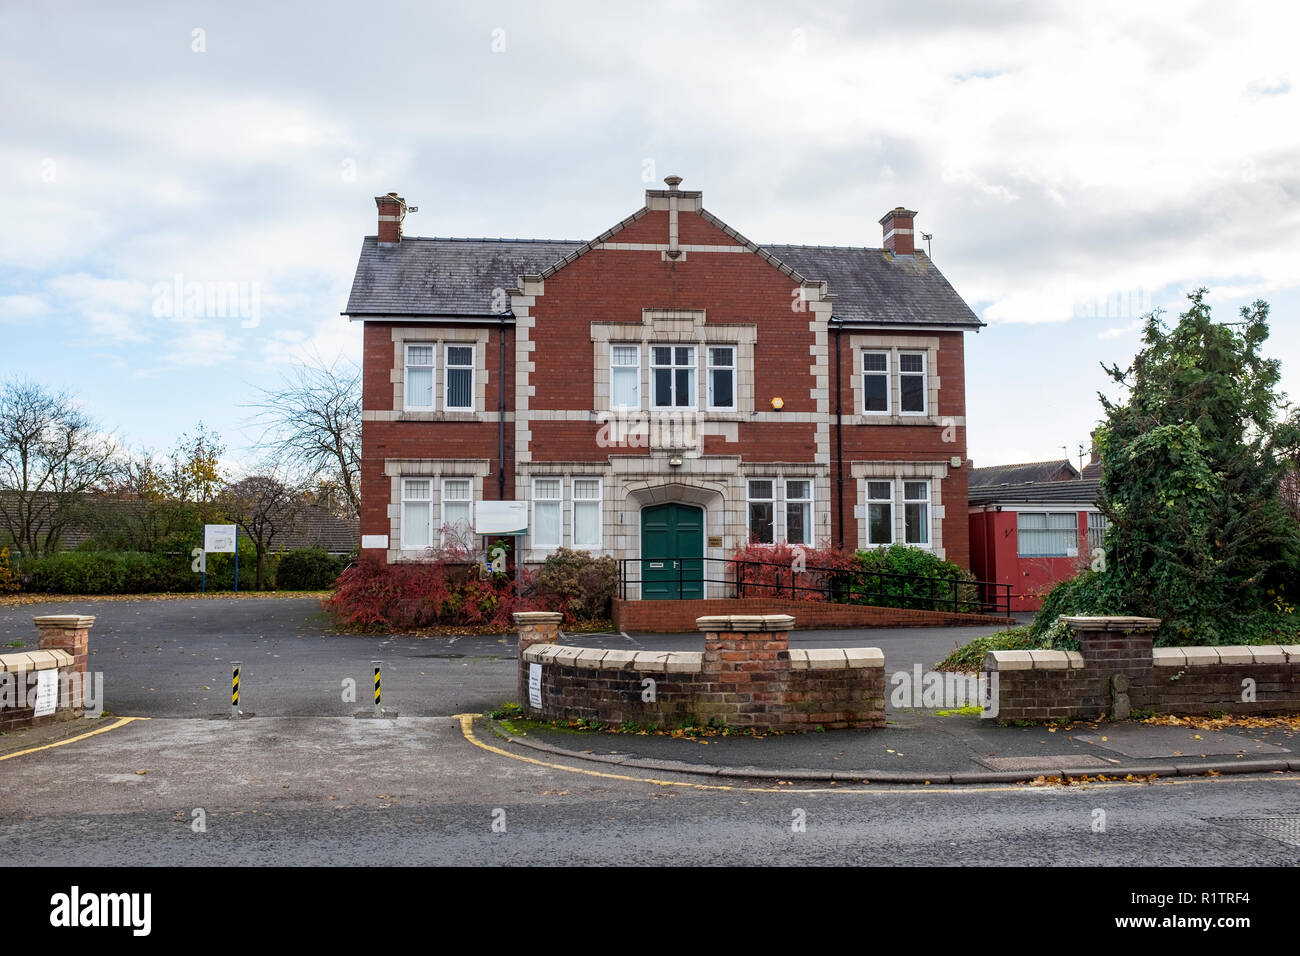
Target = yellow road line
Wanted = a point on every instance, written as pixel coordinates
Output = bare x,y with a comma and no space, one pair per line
467,720
120,722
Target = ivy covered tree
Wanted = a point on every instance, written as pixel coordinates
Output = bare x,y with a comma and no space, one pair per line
1195,460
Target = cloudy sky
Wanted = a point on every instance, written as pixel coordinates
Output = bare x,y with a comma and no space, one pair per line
1077,165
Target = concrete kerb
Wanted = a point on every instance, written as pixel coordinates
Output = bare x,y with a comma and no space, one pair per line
1112,773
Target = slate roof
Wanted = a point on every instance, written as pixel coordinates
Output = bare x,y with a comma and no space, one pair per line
1024,472
1077,492
445,277
456,278
873,287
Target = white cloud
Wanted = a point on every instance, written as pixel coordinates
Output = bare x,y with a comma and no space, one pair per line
17,308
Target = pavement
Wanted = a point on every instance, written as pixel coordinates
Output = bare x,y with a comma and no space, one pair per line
925,748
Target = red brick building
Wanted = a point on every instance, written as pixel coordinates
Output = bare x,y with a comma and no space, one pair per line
669,390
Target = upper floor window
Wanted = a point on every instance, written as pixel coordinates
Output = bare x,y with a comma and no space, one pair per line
625,376
673,370
722,377
911,383
586,513
460,378
419,376
875,383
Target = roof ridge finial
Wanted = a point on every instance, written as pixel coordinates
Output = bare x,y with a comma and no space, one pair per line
673,182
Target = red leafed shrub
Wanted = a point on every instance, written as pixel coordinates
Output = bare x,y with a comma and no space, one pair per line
786,571
449,590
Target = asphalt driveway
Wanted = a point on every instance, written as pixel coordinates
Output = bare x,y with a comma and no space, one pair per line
171,658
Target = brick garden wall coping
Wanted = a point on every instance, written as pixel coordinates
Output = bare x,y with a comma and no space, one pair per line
692,662
34,661
1241,654
62,645
747,676
1117,669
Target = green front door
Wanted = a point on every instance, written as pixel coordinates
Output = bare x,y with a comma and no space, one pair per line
672,549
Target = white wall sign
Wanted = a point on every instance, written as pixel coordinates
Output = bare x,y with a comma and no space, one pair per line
219,538
47,692
535,686
374,541
500,517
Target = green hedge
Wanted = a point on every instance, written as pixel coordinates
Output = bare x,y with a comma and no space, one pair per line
311,569
140,572
933,585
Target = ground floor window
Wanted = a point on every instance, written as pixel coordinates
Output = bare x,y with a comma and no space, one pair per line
916,513
417,513
548,512
880,513
761,524
1048,535
1097,526
586,513
799,512
457,510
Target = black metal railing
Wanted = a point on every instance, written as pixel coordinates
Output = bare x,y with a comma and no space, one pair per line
681,578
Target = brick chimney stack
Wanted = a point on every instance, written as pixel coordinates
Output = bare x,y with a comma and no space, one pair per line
392,210
897,224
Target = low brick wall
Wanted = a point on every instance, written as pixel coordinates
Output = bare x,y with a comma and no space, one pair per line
1116,670
747,677
675,617
59,664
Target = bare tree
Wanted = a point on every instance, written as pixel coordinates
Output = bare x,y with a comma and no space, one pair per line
52,454
264,505
312,426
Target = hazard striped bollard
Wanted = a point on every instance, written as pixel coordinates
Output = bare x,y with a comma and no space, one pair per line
378,696
234,688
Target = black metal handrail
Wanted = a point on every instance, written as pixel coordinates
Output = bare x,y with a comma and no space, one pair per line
747,578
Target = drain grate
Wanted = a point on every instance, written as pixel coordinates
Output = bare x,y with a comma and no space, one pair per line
1285,827
1072,761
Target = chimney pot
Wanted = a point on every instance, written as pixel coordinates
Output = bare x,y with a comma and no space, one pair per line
392,210
898,231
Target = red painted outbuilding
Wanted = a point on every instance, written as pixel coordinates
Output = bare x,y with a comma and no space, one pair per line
1034,535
